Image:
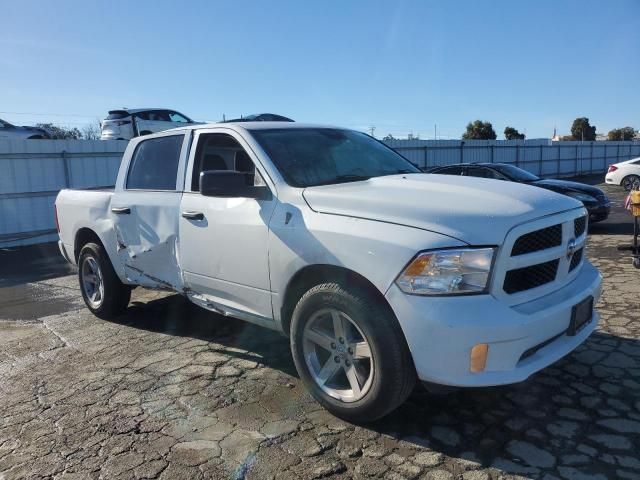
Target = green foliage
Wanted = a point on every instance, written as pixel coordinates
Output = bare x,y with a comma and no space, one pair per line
479,130
61,133
388,136
625,133
511,133
582,130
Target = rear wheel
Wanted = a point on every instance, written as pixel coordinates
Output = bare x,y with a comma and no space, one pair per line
630,182
350,352
102,291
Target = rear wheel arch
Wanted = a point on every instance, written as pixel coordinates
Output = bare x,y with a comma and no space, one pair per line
83,236
312,275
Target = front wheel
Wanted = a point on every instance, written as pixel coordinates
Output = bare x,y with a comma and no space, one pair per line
630,182
350,352
102,291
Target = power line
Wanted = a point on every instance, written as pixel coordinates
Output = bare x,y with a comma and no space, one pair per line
51,114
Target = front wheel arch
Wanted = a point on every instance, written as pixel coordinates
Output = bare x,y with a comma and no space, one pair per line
312,275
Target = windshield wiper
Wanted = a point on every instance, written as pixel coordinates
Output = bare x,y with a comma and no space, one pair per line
344,179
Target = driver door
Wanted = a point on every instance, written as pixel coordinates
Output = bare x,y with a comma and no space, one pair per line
224,241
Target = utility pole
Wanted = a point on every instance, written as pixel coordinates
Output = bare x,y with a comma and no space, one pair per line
435,131
372,130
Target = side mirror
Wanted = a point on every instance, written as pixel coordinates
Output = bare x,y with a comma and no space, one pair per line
227,183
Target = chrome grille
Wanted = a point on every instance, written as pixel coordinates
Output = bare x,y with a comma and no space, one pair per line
539,240
525,278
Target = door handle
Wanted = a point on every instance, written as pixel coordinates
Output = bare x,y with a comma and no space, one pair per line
193,215
121,210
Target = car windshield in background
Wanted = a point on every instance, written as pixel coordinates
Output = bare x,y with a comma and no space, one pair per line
309,157
516,174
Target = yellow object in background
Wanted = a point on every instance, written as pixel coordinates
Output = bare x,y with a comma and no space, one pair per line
635,203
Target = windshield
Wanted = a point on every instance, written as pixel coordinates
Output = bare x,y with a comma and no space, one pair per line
516,174
320,156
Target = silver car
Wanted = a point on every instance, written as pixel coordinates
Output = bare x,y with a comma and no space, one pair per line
128,123
14,132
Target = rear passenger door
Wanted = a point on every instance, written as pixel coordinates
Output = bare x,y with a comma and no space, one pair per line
145,210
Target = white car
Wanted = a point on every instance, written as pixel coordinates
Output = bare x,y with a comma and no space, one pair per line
380,274
14,132
624,173
128,123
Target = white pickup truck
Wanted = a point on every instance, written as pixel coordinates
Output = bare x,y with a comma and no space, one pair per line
379,274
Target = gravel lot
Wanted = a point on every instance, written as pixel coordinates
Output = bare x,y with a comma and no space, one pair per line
171,391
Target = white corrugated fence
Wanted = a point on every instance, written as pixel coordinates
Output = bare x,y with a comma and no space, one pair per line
33,171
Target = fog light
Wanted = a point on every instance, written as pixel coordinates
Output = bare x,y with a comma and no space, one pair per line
478,359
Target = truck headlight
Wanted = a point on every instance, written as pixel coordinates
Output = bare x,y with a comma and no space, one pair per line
448,272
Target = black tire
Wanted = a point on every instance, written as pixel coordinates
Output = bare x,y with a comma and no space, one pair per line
394,375
629,181
116,295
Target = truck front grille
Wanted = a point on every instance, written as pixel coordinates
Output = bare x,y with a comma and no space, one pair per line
579,226
525,278
576,259
539,240
537,256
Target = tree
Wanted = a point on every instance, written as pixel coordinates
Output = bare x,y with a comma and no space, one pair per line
92,131
582,130
411,136
511,133
61,133
479,130
388,137
625,133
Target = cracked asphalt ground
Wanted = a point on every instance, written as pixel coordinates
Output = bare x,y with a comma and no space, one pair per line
171,391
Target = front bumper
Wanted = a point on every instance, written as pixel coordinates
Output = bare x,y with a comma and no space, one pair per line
441,332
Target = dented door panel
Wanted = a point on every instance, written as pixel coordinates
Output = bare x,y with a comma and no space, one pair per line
146,238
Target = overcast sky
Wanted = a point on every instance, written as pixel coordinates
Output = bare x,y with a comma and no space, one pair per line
399,66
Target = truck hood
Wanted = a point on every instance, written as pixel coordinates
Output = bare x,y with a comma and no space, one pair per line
474,210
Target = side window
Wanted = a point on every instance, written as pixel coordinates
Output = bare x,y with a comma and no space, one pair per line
484,173
218,151
176,117
154,165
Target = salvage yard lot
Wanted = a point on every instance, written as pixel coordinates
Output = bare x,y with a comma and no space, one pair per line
172,391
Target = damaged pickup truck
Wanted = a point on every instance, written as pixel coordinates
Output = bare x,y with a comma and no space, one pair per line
379,274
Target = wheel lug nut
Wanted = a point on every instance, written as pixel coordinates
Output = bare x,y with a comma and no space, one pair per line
333,346
350,351
347,363
341,340
337,359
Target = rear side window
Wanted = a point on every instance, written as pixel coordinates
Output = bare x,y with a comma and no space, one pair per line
117,114
484,173
154,165
450,171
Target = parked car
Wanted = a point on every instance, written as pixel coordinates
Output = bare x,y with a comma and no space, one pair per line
11,132
626,174
379,274
261,117
128,123
595,200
